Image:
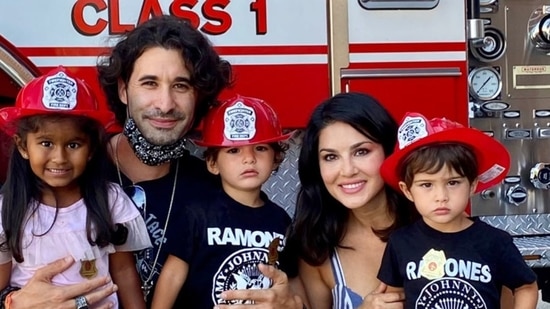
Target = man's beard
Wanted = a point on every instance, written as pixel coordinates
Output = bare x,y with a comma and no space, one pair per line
149,153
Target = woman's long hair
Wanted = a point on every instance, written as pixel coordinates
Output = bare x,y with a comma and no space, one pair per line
23,189
320,220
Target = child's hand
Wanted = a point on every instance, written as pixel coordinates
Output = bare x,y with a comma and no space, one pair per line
381,298
279,296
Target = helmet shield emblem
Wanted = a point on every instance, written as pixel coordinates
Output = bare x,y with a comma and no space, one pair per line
59,92
240,122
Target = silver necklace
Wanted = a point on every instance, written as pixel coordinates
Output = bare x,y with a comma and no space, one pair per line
147,285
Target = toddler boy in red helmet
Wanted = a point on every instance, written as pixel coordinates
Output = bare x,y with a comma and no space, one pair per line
446,259
216,246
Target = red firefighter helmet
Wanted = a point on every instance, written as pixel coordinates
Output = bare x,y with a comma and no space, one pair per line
241,121
55,92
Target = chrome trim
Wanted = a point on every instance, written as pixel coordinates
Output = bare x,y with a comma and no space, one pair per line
19,73
421,72
338,41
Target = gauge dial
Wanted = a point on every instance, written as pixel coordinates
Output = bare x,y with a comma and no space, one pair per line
495,106
485,83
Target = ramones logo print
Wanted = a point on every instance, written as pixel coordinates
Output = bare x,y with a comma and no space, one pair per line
239,271
447,293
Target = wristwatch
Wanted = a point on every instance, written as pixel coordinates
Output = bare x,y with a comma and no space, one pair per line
4,293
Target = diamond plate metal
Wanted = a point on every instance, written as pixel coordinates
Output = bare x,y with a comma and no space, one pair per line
530,235
282,187
535,247
517,225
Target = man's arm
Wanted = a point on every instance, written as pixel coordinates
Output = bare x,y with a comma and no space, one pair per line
39,292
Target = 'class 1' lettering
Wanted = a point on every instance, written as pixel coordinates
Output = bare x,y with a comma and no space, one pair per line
92,17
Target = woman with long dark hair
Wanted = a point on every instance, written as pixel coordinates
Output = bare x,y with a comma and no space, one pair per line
344,211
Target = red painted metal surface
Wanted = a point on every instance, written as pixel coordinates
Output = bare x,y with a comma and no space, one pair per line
295,89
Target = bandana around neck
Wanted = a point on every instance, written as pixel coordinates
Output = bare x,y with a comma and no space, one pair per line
149,153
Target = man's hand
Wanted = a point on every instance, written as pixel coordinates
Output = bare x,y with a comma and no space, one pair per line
39,292
381,298
279,296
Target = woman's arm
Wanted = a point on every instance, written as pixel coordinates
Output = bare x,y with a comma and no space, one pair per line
298,287
122,267
171,279
39,292
526,296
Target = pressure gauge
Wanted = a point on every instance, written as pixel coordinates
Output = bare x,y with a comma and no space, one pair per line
485,83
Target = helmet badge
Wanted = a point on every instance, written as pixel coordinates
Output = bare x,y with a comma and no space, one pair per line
240,122
59,92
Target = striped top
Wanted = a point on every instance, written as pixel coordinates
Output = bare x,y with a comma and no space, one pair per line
342,296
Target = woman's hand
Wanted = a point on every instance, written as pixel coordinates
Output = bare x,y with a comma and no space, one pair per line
381,298
39,292
279,296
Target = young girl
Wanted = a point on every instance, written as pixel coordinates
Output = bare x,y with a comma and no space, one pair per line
220,240
447,259
56,200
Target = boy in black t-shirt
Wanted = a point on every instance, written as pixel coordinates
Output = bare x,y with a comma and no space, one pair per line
447,260
216,243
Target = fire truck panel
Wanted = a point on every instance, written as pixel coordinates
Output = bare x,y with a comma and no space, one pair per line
482,63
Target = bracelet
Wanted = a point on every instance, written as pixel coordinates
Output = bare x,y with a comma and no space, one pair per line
5,296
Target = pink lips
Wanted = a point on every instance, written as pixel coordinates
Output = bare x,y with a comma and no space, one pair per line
354,187
57,171
163,123
249,173
442,211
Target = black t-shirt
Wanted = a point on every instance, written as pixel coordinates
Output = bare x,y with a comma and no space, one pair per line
470,266
222,241
193,181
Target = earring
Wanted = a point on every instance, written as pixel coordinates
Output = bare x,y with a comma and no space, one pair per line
25,155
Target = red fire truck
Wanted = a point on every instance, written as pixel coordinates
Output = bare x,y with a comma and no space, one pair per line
484,63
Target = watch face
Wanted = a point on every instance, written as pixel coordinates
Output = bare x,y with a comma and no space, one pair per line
484,83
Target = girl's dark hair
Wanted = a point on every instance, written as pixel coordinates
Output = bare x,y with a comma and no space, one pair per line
432,158
22,190
209,73
320,220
